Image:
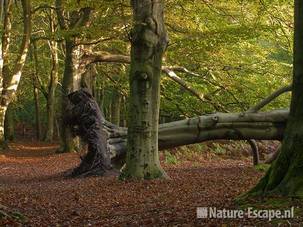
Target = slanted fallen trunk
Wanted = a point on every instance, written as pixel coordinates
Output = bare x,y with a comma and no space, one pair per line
218,126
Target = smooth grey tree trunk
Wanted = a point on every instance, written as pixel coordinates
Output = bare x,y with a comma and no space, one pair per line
149,41
218,126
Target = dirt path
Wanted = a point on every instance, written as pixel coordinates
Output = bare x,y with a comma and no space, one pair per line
31,182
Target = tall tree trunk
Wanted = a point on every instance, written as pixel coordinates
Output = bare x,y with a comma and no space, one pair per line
51,95
4,70
9,80
72,78
149,41
123,117
115,107
37,111
88,78
285,176
9,130
67,87
74,67
2,122
35,83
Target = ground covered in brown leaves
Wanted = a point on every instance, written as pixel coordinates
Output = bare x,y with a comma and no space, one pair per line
31,183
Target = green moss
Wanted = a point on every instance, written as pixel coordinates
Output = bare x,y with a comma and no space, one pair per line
262,167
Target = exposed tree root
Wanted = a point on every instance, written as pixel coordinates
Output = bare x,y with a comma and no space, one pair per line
255,151
85,118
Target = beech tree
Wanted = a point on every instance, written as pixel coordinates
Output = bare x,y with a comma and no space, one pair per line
149,41
285,175
10,78
53,80
71,22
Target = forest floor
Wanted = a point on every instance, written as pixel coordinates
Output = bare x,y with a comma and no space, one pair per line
34,189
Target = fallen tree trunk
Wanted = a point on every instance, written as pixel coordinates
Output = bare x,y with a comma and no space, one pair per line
218,126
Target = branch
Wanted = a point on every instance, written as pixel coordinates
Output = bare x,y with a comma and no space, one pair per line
258,107
102,56
60,15
37,38
204,98
37,81
82,18
94,42
255,151
94,57
269,99
171,74
43,6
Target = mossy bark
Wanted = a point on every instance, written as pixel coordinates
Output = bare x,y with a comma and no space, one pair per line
149,41
285,176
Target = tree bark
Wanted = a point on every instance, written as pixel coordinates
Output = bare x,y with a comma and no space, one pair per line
9,131
51,95
85,118
10,81
37,111
35,83
285,176
2,122
115,107
4,68
74,67
219,126
67,142
149,41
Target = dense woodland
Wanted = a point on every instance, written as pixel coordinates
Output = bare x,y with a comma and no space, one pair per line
235,54
120,86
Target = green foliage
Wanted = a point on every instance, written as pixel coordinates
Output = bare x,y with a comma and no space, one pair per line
6,213
262,167
219,149
170,158
240,51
